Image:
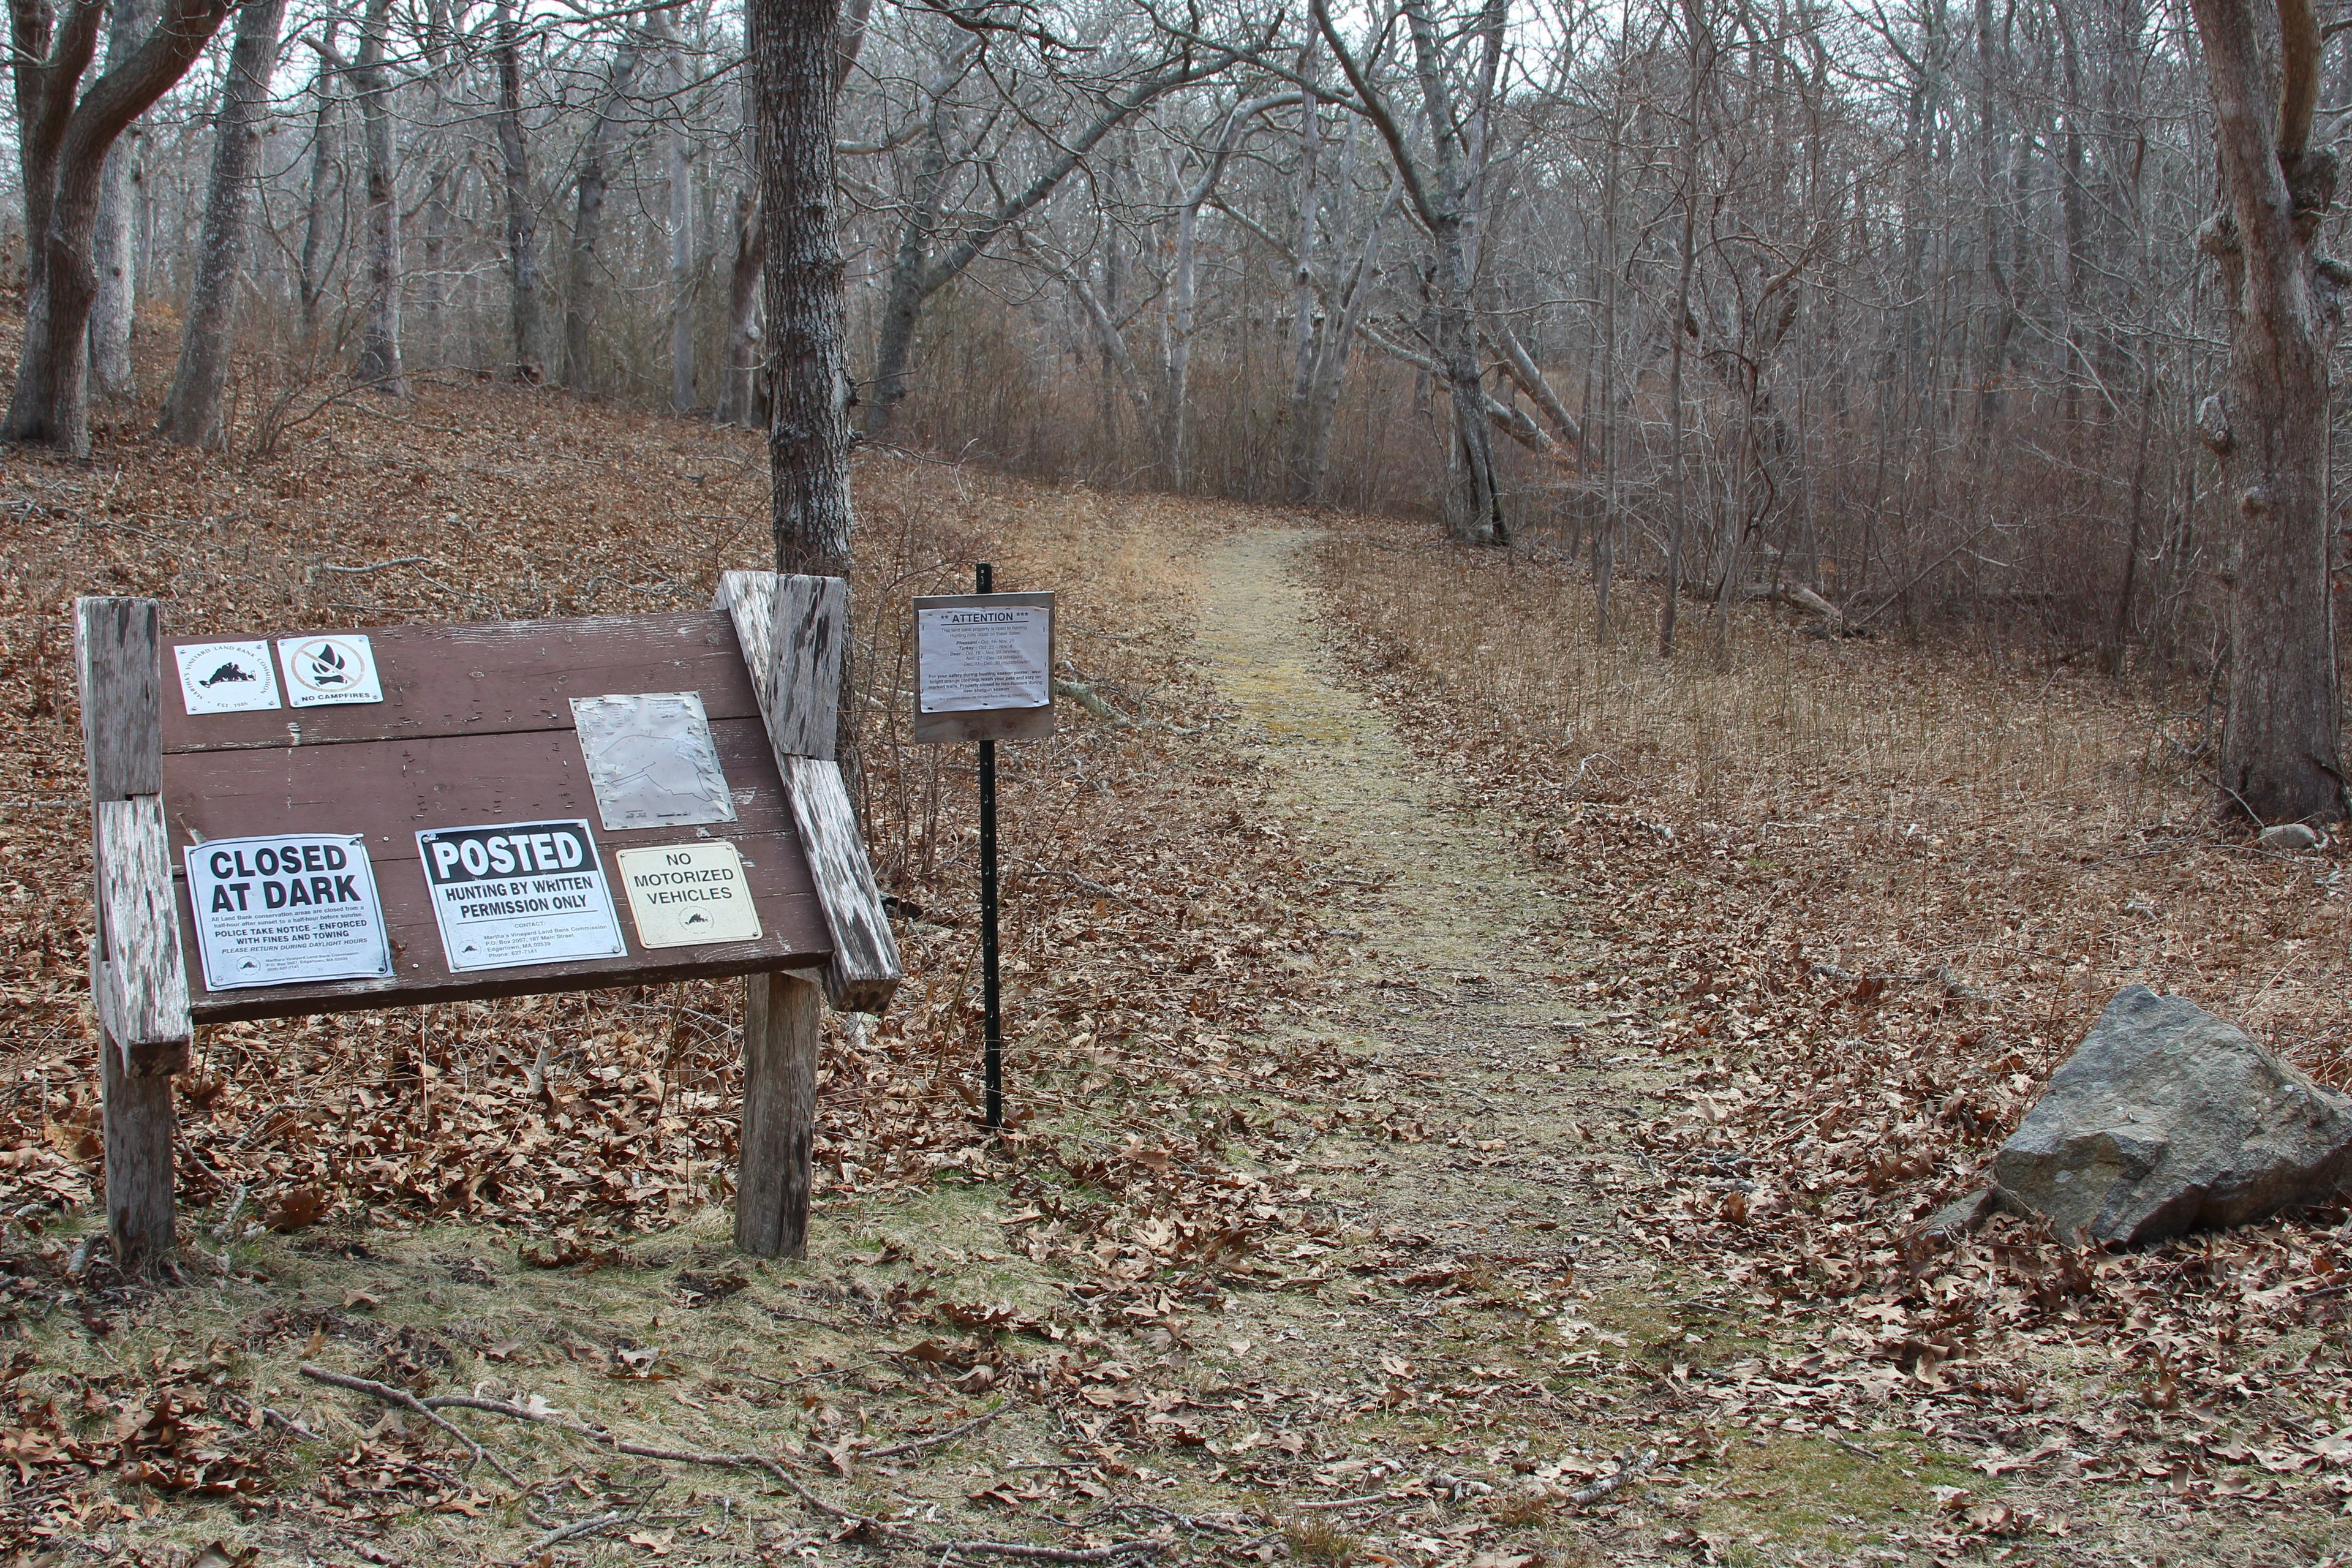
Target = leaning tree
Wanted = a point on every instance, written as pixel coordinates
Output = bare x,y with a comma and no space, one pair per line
62,142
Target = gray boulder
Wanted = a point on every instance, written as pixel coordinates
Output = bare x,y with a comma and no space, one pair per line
2168,1119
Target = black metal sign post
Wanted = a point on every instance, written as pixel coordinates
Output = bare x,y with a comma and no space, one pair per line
991,1015
984,673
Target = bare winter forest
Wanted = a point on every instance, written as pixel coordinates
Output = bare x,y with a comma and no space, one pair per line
1661,607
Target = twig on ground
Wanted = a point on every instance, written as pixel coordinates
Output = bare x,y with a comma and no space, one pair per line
933,1441
1111,1553
571,1532
548,1417
408,1401
1628,1469
1040,872
1856,1448
1367,1499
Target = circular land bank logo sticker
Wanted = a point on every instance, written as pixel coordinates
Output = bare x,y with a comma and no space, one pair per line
322,669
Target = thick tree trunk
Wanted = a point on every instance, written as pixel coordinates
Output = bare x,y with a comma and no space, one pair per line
62,146
523,218
379,366
111,312
795,87
2279,757
192,409
588,216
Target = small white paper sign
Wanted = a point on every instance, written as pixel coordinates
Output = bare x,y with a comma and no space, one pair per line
684,895
512,893
978,659
226,677
328,668
286,909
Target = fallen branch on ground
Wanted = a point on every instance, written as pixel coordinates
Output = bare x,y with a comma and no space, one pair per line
1111,1553
572,1531
1628,1469
933,1441
408,1401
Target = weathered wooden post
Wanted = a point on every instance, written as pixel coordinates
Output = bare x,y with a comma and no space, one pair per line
137,983
791,630
406,819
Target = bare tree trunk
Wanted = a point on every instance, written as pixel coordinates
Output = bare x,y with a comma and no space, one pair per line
1697,60
379,367
681,273
1302,288
1604,541
2280,756
794,88
61,148
523,218
191,408
111,313
739,356
324,152
588,216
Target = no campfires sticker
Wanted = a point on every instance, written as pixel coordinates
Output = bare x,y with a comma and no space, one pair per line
512,893
327,668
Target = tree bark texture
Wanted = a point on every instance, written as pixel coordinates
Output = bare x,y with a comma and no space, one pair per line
116,263
2279,757
191,408
522,217
588,214
795,87
61,148
379,366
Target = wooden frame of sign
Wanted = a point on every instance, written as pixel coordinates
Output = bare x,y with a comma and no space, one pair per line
475,727
988,723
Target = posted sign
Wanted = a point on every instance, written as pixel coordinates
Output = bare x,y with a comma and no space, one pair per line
509,894
287,908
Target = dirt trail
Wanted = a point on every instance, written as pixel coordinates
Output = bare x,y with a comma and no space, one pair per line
1446,1006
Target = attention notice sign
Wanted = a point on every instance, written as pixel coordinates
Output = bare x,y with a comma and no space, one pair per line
513,893
283,908
976,657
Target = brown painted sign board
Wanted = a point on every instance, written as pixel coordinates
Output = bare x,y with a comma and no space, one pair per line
476,729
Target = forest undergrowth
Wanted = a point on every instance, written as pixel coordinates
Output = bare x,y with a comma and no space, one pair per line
1866,897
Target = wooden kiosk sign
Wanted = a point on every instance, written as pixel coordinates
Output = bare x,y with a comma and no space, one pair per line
382,817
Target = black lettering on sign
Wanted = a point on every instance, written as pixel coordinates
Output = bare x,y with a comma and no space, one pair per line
461,856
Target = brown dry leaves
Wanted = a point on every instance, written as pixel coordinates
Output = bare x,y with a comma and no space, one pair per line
1866,898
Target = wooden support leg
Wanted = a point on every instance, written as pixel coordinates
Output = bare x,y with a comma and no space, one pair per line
781,1014
140,1125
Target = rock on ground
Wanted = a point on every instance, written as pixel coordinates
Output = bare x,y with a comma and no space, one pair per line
2168,1119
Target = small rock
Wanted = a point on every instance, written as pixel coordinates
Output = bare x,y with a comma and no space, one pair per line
2289,836
1961,1216
2167,1119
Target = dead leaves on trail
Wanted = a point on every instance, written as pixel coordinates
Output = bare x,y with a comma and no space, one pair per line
1862,902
